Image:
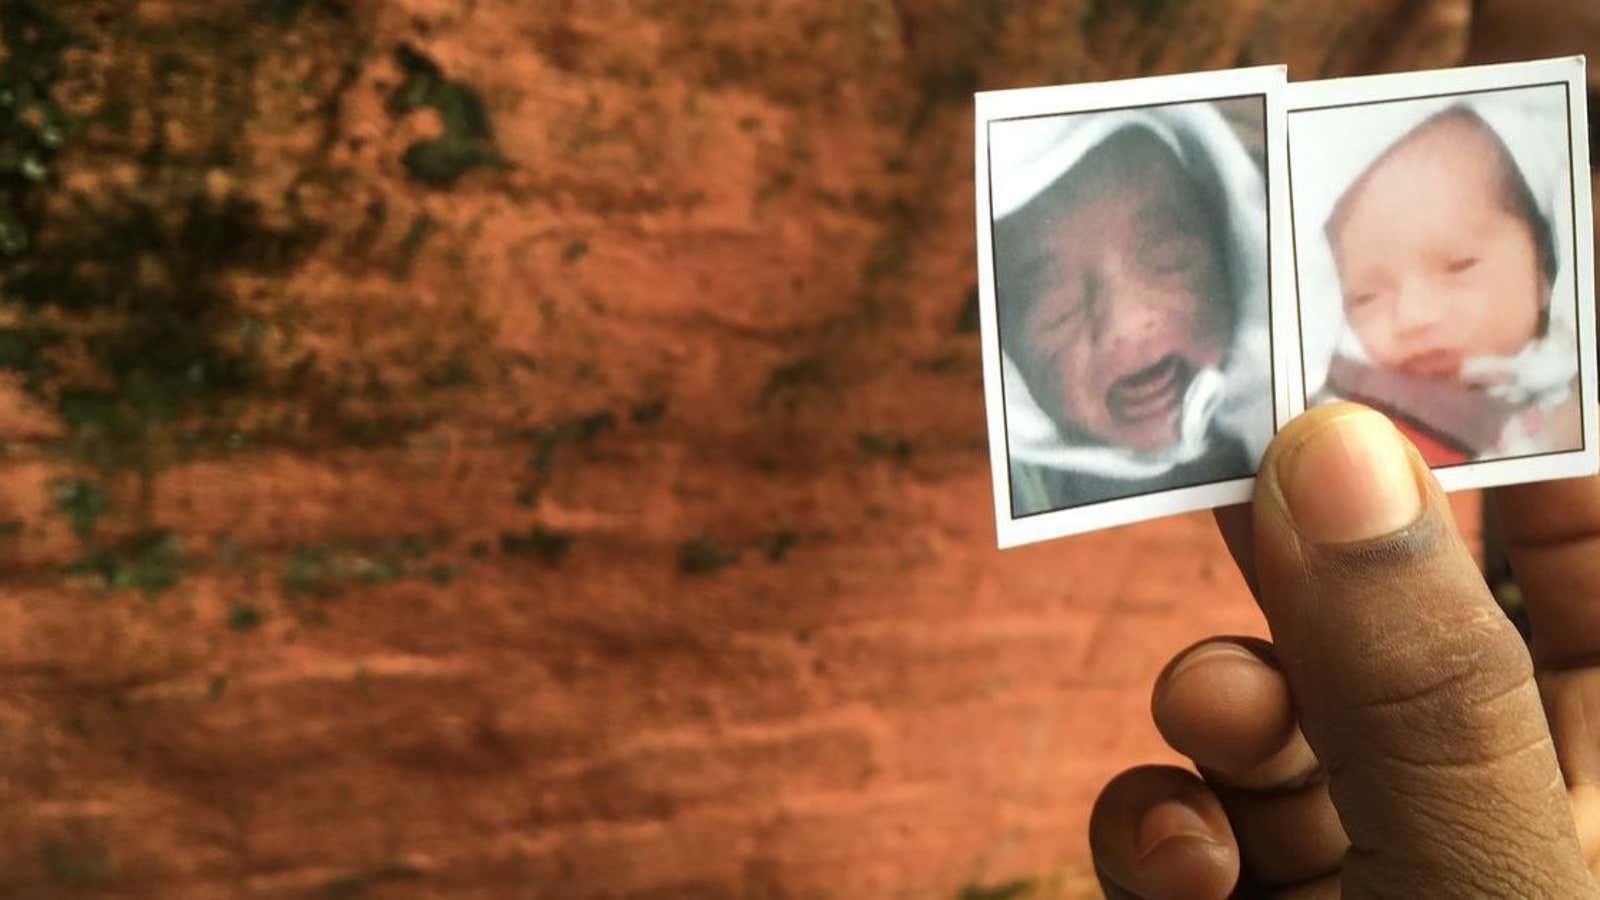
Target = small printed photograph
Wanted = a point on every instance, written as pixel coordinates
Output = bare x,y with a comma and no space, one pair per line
1437,236
1130,303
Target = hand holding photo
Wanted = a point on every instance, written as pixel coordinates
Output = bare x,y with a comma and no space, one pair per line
1442,236
1126,296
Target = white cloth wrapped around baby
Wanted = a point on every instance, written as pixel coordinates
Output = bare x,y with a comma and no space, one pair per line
1339,155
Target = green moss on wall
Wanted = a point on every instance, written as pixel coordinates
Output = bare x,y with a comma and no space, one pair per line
468,139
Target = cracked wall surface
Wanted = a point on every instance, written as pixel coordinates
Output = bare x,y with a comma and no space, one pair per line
504,449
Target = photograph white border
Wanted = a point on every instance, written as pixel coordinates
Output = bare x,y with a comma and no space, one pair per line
1374,89
1268,81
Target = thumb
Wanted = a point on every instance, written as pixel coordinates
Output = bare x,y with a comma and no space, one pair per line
1416,693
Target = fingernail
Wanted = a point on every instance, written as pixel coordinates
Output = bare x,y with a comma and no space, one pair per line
1167,821
1350,479
1209,652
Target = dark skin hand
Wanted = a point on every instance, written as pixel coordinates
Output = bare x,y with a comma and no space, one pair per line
1396,738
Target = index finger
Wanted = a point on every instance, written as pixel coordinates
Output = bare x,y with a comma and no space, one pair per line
1552,535
1552,530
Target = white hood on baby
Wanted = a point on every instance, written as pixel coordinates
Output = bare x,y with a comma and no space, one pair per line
1027,156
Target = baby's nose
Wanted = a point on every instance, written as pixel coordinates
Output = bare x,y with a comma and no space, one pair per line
1134,316
1417,309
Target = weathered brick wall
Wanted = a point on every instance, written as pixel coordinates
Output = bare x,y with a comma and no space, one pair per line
550,463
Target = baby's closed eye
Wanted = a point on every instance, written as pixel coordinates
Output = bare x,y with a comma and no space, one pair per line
1358,299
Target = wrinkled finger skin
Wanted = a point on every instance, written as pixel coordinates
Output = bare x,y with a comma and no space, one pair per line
1419,698
1225,704
1552,535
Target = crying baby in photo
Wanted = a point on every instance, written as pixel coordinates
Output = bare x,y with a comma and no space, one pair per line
1453,285
1130,266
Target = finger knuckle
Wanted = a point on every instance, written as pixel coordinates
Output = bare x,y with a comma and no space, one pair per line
1457,689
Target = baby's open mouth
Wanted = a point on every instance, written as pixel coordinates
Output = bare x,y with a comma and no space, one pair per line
1150,393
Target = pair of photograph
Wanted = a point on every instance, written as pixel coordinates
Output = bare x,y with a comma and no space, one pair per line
1171,268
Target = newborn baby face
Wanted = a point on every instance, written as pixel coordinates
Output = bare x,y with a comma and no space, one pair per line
1127,293
1435,262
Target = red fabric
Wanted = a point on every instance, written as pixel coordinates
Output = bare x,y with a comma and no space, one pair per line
1434,450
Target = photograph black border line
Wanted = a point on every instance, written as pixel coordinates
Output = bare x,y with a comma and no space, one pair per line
1272,349
1572,200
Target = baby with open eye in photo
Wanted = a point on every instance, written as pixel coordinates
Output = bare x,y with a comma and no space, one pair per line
1447,264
